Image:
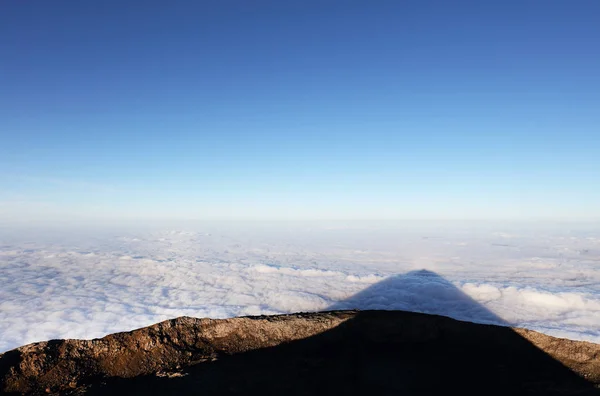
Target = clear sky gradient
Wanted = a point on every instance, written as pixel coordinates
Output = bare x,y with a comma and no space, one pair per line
300,109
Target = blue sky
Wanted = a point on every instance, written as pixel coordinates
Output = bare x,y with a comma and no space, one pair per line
299,109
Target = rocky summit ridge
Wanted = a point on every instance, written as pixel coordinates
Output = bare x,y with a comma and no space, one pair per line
336,352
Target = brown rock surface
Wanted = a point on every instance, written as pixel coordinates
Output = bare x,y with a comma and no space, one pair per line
368,352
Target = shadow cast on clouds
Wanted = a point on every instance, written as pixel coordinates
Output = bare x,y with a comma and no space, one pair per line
420,291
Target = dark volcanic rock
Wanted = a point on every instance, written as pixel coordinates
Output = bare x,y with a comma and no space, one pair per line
368,352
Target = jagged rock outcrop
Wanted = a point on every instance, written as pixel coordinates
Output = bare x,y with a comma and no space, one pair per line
368,352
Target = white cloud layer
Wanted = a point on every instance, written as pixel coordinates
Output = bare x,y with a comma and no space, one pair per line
88,284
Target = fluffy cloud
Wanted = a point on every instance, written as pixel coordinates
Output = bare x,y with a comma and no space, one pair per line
86,285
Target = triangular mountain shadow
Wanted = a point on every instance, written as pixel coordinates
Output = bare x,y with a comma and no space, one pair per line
382,353
420,291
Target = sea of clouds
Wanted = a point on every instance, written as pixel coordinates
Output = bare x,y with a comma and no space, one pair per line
78,282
